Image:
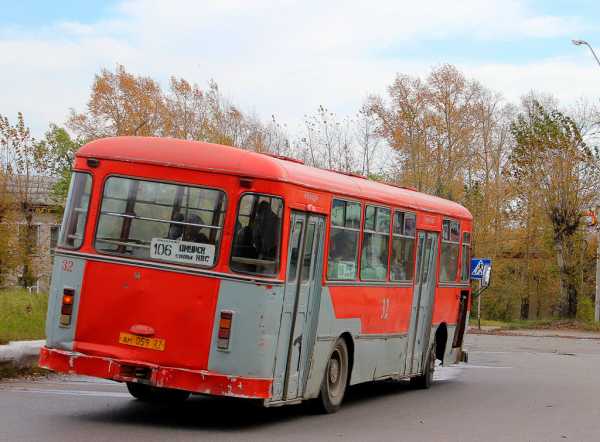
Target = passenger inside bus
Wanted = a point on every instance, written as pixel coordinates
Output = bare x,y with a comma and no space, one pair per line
256,244
176,230
194,233
264,236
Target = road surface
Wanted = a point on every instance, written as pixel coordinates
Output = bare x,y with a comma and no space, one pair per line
515,388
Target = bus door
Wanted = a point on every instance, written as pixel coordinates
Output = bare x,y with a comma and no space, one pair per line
422,305
298,323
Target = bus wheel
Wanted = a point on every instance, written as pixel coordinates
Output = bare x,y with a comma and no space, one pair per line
335,379
425,379
148,393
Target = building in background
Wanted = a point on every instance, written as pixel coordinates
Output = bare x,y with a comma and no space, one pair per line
44,233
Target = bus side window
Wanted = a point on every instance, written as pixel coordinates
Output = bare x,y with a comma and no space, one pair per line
403,246
449,255
343,240
374,256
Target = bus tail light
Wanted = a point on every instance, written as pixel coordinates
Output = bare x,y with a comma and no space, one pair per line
66,308
224,330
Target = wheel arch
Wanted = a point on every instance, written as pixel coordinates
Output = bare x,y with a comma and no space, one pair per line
347,337
441,340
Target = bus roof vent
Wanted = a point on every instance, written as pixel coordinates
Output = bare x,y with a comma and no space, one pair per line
413,189
283,157
352,174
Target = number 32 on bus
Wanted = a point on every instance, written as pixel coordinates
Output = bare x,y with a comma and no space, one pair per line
187,267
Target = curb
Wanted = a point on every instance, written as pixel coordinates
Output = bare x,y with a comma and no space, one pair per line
21,354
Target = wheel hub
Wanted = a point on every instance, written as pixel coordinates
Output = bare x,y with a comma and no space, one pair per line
334,371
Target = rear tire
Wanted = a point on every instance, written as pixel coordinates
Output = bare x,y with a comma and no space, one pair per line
148,393
335,379
424,380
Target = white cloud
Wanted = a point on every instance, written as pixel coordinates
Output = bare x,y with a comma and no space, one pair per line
283,57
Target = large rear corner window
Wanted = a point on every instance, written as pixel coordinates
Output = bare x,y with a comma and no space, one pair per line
76,210
256,242
161,221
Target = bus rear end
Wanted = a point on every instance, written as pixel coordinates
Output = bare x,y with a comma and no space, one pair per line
136,292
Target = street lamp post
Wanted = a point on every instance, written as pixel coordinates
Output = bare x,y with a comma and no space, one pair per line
597,228
585,43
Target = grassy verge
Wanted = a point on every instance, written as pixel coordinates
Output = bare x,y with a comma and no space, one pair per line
22,315
540,324
9,371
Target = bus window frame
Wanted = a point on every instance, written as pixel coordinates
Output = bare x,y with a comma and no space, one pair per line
364,230
458,255
277,272
359,242
468,245
172,182
87,214
397,235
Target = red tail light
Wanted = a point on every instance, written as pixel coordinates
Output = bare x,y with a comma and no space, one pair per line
224,330
66,309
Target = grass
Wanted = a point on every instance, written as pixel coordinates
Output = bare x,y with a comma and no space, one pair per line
539,324
22,315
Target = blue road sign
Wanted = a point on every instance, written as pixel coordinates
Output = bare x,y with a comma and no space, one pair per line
479,266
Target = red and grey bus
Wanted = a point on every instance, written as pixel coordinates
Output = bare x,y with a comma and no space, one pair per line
186,267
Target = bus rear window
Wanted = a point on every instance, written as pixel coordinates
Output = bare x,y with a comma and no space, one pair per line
256,243
160,221
71,232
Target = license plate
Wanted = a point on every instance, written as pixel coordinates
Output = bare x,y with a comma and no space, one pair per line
142,341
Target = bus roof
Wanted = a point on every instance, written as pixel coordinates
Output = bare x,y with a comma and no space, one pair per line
216,158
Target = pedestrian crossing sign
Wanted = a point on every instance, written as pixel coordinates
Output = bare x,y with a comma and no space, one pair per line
479,267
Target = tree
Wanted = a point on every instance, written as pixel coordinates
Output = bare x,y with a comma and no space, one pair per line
328,142
58,150
553,166
120,104
24,167
430,124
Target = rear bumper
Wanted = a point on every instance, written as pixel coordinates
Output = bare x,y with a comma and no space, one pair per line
196,381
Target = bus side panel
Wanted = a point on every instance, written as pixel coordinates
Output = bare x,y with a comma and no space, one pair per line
328,329
66,273
255,327
376,317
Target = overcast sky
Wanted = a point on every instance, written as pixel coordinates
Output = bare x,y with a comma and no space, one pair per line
288,57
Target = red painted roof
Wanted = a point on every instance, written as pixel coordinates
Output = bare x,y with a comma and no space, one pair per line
230,160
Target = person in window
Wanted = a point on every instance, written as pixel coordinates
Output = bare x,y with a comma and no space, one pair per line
176,230
244,244
193,233
264,231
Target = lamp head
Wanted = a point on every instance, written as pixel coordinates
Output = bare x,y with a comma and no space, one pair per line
579,42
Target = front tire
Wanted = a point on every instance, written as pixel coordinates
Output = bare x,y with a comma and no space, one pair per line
335,379
424,380
148,393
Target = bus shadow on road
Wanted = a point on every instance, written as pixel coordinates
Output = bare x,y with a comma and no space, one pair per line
227,414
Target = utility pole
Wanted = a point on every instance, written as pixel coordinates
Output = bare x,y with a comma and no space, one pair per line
596,214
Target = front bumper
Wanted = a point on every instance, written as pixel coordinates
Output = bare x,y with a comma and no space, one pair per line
196,381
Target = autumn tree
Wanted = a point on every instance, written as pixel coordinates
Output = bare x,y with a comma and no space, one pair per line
552,165
120,104
430,126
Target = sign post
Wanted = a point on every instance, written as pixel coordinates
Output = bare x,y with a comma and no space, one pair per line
481,270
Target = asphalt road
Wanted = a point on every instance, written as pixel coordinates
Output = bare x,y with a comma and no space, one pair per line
513,389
